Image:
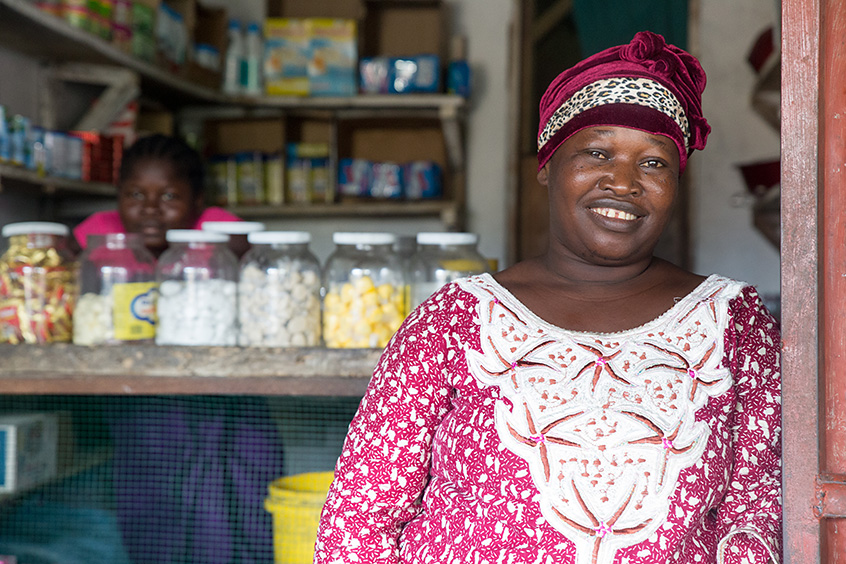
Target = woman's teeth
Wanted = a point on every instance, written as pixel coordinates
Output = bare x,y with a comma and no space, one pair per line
614,214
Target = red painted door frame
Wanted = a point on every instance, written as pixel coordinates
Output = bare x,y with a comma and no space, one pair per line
813,251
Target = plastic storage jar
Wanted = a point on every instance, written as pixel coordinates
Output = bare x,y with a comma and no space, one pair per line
363,284
37,284
238,232
117,291
279,291
198,290
442,258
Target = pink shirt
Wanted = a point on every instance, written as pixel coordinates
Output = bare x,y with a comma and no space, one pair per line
490,435
109,222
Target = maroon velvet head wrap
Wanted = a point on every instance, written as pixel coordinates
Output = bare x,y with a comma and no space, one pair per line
646,85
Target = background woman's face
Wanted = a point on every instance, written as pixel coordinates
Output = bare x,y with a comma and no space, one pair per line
153,199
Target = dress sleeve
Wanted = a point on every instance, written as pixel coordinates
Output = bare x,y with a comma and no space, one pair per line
384,464
750,513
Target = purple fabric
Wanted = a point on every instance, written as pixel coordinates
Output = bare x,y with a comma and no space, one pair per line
190,478
646,56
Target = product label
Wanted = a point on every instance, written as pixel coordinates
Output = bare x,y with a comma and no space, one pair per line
135,310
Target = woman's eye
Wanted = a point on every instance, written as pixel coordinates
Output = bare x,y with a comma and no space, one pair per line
168,196
653,163
596,154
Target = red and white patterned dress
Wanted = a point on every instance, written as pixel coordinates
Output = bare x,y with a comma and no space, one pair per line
488,435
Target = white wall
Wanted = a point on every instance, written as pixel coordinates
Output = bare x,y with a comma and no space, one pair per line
722,236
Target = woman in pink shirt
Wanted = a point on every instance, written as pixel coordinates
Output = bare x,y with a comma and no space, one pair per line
189,473
160,187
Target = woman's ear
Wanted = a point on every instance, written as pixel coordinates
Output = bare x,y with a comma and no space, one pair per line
543,175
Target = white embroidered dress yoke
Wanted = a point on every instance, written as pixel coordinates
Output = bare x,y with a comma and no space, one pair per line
490,435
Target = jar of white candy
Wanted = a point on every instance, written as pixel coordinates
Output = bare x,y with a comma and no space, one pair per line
198,290
442,258
364,291
279,291
117,291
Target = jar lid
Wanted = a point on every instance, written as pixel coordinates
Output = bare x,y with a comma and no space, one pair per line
447,238
346,238
195,236
279,237
233,227
41,227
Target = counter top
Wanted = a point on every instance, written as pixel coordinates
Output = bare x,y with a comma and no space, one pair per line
67,369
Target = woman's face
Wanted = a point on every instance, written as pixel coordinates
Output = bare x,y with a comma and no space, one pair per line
152,199
611,193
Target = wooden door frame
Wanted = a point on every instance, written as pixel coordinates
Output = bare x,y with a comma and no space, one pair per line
813,183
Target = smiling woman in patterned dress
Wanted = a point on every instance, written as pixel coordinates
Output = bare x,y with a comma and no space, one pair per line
593,405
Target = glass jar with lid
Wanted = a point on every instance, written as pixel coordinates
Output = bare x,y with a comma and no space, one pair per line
117,291
279,291
363,285
238,232
37,284
442,258
198,290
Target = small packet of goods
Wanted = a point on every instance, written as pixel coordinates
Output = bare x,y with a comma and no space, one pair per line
387,181
422,180
287,52
400,75
334,48
354,177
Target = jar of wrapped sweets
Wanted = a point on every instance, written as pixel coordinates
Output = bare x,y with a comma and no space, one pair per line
37,284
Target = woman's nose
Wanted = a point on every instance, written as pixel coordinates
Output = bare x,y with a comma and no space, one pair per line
623,178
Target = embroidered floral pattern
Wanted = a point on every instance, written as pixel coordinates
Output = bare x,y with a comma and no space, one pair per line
487,435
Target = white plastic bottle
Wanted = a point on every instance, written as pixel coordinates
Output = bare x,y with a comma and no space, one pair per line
232,62
251,63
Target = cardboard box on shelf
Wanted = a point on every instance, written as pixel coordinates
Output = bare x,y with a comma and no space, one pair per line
210,29
226,137
28,450
149,122
346,9
384,140
287,53
403,29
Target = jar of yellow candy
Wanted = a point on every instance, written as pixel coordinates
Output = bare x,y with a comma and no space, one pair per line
37,284
363,291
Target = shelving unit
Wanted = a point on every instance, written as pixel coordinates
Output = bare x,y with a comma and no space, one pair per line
16,176
26,29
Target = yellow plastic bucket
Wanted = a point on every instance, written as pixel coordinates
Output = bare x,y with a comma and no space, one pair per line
295,503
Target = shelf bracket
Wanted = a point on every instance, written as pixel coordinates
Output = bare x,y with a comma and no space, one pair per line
452,137
121,87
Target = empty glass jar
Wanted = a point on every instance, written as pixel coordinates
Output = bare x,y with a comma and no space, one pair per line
442,258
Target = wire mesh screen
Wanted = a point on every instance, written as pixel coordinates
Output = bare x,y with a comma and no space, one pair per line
164,479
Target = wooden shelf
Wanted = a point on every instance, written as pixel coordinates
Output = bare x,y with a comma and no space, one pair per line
447,210
67,369
16,176
26,29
